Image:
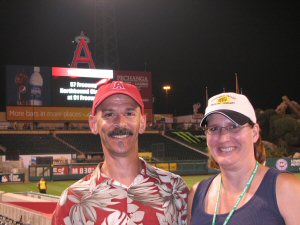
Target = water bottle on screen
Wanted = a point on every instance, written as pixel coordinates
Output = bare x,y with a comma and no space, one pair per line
36,84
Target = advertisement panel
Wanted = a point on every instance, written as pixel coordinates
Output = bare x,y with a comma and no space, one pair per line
146,155
17,177
82,169
285,164
60,170
142,79
12,177
4,178
166,166
28,85
29,113
295,165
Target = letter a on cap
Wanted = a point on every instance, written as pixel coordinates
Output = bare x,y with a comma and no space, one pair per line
118,85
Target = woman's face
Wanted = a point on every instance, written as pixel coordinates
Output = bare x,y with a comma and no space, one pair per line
232,144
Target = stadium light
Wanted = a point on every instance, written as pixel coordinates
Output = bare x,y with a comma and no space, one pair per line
167,88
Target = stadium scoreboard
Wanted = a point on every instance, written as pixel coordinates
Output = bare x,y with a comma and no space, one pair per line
75,86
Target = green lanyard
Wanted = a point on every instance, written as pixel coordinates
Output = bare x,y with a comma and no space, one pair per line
249,182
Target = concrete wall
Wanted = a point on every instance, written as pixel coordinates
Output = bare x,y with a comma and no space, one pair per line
29,216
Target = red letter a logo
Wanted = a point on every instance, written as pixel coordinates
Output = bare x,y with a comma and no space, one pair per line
87,58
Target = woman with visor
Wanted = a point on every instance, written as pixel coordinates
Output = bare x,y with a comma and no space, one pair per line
245,191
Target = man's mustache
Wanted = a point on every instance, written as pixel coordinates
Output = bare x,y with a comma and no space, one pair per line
120,131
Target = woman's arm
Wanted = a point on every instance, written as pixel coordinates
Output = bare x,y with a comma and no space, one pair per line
190,201
288,198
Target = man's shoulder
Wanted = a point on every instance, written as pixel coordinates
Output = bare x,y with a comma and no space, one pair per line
83,182
162,174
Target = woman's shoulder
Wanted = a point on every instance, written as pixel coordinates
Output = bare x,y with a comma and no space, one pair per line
288,181
199,185
288,196
205,180
194,188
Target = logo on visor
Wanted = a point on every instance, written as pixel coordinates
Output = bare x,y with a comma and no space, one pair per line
224,100
118,85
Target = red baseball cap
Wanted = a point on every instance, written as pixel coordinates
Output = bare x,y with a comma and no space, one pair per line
117,87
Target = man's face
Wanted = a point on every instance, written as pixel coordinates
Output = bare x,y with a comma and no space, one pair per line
118,121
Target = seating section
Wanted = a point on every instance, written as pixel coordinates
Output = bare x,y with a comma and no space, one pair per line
163,148
86,143
27,144
194,139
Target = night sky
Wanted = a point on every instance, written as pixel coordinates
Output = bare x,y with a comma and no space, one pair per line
189,44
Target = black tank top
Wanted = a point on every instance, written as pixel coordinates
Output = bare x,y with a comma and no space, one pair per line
261,209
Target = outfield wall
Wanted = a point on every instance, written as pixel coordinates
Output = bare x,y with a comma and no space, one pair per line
79,170
199,167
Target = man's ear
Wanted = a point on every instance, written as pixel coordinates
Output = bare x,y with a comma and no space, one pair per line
142,124
93,124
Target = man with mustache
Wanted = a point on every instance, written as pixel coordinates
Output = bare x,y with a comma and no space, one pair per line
124,189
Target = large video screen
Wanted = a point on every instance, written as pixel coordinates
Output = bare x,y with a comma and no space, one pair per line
56,86
75,86
63,94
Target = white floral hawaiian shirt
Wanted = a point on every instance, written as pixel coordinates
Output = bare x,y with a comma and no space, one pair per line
156,197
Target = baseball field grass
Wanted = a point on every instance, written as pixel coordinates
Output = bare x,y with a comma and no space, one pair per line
56,187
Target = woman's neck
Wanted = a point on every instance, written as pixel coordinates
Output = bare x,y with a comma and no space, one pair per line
234,181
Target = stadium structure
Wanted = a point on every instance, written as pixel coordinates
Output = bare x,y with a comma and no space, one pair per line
44,131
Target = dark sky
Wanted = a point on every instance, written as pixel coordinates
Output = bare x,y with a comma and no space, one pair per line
189,44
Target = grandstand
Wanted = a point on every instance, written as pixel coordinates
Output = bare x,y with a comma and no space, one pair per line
28,143
167,148
85,142
81,146
163,147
